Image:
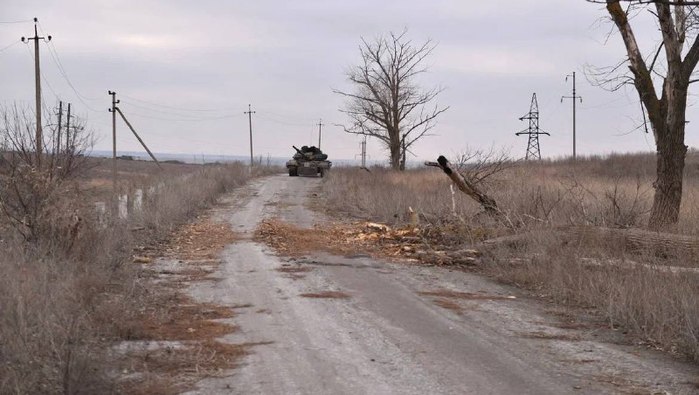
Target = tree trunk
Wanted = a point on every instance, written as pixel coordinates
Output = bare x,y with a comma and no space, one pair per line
671,154
395,154
671,150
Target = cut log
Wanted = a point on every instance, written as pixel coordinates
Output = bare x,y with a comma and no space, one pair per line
640,241
636,240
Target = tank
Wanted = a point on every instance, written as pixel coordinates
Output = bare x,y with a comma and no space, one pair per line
308,161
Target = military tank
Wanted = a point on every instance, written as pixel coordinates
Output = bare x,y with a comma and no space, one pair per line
308,161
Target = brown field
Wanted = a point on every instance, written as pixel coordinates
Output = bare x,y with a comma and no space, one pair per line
625,287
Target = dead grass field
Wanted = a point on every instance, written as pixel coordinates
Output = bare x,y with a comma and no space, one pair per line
658,308
71,292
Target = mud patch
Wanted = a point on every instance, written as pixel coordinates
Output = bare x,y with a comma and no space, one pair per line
326,295
444,293
293,269
550,336
294,272
448,304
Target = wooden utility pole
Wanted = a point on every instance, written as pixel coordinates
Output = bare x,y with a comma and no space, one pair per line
114,163
250,112
68,145
364,153
58,137
138,137
320,131
37,83
575,97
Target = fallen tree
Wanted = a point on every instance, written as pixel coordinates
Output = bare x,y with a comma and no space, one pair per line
488,203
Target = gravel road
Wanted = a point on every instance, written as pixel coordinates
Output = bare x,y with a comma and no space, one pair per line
389,337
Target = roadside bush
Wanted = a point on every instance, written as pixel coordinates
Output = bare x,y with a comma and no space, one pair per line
61,307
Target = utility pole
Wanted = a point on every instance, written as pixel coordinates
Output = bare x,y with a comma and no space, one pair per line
114,163
250,112
68,145
364,153
37,82
533,130
575,97
320,131
140,140
58,138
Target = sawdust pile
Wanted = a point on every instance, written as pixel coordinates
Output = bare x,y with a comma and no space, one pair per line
413,243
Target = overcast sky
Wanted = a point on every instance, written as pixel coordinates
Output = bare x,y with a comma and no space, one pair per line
186,70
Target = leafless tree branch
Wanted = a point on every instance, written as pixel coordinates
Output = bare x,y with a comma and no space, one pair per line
386,103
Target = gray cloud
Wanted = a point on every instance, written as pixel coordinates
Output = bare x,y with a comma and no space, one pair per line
171,60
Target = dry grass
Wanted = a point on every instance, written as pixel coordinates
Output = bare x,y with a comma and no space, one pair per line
170,315
656,308
67,297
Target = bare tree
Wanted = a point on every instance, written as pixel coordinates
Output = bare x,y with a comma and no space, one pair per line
478,165
666,70
387,103
31,192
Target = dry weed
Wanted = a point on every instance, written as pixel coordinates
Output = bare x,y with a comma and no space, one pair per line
62,310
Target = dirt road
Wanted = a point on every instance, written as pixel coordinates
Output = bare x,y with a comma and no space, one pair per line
393,328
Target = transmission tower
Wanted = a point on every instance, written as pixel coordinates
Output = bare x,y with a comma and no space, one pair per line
533,130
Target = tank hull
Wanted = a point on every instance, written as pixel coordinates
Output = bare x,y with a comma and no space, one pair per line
307,167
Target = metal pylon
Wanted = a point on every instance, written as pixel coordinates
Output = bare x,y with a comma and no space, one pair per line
533,151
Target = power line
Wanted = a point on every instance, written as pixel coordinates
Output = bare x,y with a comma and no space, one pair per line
10,22
176,108
57,60
181,119
178,113
43,76
320,131
262,116
61,70
277,115
3,49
